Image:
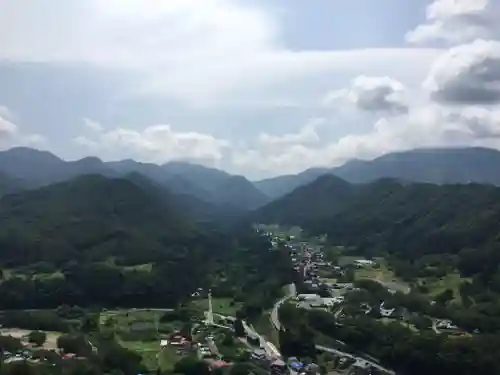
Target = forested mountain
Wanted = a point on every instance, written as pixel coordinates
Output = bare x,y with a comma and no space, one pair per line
306,203
437,166
279,186
38,168
95,240
408,219
84,218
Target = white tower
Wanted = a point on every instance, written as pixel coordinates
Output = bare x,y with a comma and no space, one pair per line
210,315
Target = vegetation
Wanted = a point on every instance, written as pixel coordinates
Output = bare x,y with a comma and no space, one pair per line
395,345
37,338
100,260
223,306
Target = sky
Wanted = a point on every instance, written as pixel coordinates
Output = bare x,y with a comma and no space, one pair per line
254,87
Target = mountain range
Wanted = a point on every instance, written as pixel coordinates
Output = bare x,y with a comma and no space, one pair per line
410,219
25,168
28,168
437,166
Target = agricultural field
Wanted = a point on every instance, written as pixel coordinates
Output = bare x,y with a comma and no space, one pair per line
141,331
223,306
437,286
380,272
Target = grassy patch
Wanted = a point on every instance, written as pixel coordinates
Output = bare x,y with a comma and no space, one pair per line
147,267
167,359
329,280
381,273
148,350
451,281
349,259
48,276
264,327
130,325
223,306
127,317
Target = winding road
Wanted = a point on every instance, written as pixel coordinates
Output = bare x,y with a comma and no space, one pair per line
274,317
274,313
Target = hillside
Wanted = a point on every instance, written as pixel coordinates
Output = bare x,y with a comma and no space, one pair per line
88,216
407,219
309,202
279,186
216,186
40,168
437,166
99,241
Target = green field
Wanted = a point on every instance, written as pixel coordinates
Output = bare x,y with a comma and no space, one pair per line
344,260
223,306
263,326
127,324
381,273
128,317
152,355
451,281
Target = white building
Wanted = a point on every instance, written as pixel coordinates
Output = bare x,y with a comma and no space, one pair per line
308,297
363,262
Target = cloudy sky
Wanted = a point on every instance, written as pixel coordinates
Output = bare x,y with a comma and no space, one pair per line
257,87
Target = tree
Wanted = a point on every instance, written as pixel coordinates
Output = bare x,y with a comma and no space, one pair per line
9,343
191,366
37,337
239,330
74,343
445,297
240,369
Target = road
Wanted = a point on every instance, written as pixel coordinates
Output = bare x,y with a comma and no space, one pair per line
274,313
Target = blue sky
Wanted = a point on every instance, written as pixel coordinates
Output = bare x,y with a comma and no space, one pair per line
257,87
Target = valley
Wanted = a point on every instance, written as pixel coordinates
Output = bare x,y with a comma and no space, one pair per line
115,273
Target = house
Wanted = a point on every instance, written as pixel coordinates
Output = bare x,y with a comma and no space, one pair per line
178,340
278,367
308,297
363,263
333,300
386,312
258,354
446,324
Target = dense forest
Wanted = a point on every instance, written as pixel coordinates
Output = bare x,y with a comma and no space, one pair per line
406,220
97,241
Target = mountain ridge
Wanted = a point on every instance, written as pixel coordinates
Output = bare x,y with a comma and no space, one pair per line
458,165
37,168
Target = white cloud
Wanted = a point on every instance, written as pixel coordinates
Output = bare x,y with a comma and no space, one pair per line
424,126
6,113
307,135
156,143
37,141
373,94
194,51
10,134
93,126
468,73
458,21
7,129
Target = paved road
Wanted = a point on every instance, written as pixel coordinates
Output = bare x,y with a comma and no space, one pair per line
274,313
